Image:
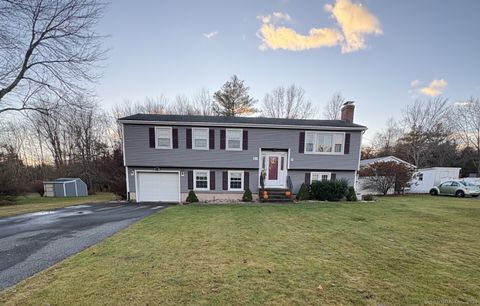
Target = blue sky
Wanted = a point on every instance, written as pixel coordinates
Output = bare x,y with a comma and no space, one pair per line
178,47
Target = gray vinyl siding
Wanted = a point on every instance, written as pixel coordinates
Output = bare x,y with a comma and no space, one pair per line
58,189
81,188
297,177
70,189
139,154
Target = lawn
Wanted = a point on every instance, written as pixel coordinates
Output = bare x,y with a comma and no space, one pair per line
34,202
396,251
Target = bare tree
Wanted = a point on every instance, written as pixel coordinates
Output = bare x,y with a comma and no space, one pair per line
386,140
288,102
203,103
47,47
427,125
333,108
157,105
467,125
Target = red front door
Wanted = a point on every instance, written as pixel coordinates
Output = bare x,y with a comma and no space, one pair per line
272,168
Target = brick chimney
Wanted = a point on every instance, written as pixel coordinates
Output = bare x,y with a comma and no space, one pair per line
348,109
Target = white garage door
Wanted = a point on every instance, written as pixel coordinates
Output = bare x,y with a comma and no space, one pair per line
154,186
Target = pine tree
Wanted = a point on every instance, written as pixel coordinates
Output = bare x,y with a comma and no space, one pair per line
233,99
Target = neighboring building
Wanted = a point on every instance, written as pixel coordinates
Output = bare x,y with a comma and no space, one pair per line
424,179
362,182
385,159
65,187
166,156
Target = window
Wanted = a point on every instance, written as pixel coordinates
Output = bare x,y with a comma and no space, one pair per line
234,139
235,180
163,136
200,139
201,179
324,143
320,176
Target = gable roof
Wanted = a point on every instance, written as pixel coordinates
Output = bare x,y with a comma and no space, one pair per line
238,121
366,162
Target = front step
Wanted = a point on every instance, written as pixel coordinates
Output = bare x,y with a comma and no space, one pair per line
275,195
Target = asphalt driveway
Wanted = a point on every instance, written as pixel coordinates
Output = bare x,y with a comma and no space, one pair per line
32,242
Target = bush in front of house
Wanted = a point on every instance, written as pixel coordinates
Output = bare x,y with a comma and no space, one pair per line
303,193
329,190
368,197
351,195
192,197
247,196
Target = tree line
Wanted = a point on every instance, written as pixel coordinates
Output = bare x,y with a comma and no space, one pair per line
433,133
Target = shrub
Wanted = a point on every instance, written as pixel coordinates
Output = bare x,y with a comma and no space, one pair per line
247,196
303,193
329,190
192,197
351,195
37,186
383,176
368,197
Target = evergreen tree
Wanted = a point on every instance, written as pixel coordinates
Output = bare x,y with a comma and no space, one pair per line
233,99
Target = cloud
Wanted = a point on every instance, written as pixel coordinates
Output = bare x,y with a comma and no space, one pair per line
415,83
285,38
354,22
463,103
210,35
435,88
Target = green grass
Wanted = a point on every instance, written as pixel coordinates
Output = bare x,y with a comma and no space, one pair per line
35,202
396,251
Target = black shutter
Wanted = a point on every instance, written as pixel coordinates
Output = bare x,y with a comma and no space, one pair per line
347,144
175,138
151,137
212,180
190,180
301,143
246,180
211,139
225,180
222,139
189,138
333,177
245,140
307,178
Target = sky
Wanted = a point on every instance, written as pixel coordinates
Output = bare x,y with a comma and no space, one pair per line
381,54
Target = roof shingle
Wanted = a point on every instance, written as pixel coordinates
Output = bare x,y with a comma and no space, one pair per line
241,120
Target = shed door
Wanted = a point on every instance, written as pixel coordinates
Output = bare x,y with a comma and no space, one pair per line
158,186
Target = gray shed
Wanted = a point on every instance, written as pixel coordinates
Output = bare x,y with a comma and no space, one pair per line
65,187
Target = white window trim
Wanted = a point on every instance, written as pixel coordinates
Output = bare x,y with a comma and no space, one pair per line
193,139
241,140
319,174
156,137
195,180
333,144
243,180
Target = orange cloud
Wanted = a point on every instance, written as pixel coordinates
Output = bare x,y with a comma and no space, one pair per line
435,88
356,22
353,20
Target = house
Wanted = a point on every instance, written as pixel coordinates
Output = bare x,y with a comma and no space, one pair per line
384,159
166,156
65,187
